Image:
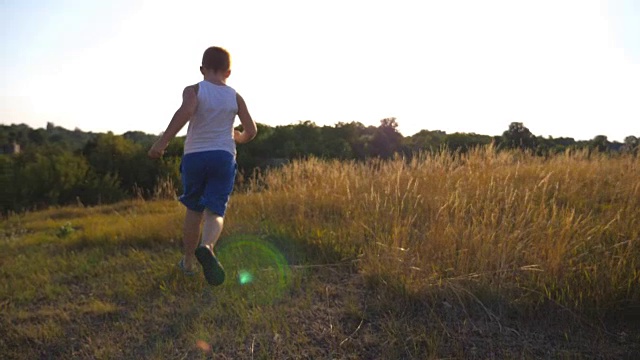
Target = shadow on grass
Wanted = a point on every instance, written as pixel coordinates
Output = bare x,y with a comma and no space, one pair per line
296,251
468,318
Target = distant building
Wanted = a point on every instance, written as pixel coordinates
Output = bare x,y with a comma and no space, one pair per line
10,149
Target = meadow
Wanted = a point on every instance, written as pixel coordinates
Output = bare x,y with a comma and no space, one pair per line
485,254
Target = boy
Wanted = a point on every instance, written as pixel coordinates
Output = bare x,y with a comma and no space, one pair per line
208,165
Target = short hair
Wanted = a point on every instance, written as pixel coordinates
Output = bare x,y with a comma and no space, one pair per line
216,58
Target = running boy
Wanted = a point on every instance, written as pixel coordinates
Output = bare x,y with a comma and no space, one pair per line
208,165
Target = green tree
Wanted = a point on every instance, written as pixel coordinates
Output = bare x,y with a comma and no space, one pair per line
600,143
424,140
632,145
8,190
49,176
518,136
463,142
335,143
386,139
251,155
111,154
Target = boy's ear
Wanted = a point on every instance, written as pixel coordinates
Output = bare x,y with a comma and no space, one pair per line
226,75
201,70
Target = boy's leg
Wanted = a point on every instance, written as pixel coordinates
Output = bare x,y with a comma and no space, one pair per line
211,229
211,268
220,177
192,221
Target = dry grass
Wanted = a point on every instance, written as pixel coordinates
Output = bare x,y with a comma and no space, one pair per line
486,255
565,229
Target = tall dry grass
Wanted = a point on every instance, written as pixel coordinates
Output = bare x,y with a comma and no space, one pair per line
564,230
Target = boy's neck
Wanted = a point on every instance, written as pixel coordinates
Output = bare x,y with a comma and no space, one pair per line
216,79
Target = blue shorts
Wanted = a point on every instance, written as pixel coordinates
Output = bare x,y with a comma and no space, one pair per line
207,180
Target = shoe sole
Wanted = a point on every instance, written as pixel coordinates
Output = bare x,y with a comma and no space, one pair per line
213,271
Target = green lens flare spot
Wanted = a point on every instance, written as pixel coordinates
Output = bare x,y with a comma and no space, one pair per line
261,269
244,277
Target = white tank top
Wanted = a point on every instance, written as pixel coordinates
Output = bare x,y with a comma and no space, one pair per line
211,127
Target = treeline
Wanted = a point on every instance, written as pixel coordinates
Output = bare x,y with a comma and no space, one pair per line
56,166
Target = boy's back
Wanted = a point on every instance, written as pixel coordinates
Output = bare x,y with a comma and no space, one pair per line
211,126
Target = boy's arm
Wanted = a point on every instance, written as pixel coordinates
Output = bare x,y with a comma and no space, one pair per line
249,128
180,118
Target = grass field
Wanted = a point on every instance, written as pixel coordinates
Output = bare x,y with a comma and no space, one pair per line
486,255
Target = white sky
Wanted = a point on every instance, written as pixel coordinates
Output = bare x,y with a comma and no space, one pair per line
564,68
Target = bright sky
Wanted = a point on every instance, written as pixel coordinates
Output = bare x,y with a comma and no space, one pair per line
563,67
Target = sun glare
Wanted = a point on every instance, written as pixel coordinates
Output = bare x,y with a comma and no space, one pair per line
467,66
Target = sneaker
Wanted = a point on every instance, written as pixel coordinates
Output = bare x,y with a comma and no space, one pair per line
211,267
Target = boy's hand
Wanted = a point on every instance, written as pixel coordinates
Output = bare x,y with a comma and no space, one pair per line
156,150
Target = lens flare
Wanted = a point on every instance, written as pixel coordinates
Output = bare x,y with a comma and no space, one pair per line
203,345
257,263
244,277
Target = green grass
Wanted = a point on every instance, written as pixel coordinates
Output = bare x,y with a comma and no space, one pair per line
484,256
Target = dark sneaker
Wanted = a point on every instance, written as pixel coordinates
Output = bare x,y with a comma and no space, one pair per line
213,271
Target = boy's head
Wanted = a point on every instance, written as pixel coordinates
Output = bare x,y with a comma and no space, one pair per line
217,60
